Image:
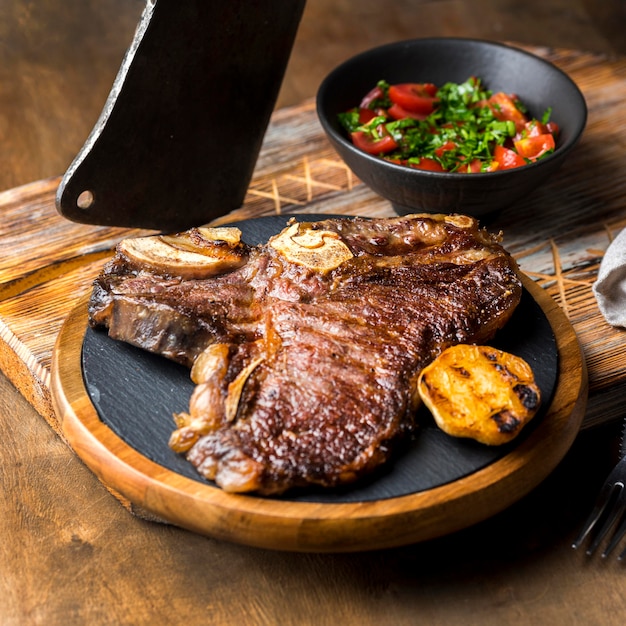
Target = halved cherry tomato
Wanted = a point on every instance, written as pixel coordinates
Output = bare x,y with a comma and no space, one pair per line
449,145
535,127
504,109
473,167
415,97
427,164
533,147
476,166
367,143
398,113
532,129
366,115
507,158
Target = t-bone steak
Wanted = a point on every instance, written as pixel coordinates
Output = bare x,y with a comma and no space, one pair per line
305,351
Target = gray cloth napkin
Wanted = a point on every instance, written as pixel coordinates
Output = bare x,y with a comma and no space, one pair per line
610,287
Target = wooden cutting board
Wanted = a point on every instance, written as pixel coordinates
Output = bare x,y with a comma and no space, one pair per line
558,235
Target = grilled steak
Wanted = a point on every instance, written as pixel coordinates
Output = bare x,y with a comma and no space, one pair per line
305,351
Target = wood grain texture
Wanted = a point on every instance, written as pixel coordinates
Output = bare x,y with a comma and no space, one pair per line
558,235
47,262
310,526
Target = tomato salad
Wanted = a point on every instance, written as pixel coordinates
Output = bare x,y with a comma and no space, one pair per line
460,128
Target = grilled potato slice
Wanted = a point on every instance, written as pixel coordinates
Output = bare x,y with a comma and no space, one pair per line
480,392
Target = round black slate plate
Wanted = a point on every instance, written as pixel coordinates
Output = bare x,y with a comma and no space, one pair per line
135,394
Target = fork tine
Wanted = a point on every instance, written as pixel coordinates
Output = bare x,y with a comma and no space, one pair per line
617,537
608,521
610,508
600,507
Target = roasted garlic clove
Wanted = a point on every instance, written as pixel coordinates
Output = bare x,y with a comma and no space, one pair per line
318,250
211,362
235,388
196,253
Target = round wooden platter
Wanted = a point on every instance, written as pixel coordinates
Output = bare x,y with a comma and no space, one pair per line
320,526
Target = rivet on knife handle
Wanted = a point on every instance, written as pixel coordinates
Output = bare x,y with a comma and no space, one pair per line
177,141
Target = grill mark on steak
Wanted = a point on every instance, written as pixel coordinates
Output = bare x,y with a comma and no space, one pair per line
332,356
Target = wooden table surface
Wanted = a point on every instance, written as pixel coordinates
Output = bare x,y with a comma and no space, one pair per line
72,555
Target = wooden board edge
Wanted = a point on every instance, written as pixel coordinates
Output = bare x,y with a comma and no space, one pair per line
30,379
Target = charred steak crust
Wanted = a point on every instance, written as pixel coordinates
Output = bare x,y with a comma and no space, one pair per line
306,353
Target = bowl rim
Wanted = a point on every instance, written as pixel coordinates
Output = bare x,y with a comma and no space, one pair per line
558,153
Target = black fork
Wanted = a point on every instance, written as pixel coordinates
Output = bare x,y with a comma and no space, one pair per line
609,511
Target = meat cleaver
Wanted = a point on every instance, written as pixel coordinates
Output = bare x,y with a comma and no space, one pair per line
179,135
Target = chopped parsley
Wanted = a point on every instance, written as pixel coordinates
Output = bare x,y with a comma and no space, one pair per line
465,124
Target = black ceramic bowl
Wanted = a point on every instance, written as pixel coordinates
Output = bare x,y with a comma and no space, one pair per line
538,83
